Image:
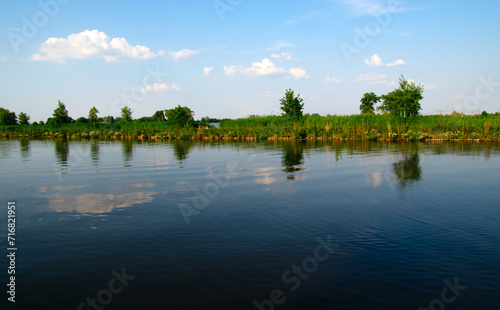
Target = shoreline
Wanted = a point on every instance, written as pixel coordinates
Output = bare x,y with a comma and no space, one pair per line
354,127
159,138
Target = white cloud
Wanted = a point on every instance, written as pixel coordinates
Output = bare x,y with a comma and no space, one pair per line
331,79
266,67
231,70
160,88
263,68
399,62
374,61
185,53
283,56
2,58
207,70
92,44
298,73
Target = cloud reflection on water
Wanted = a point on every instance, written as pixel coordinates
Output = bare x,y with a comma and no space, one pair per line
69,198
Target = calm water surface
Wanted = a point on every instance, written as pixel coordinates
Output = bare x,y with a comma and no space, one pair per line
287,225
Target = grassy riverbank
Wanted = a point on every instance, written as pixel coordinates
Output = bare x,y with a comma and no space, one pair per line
359,127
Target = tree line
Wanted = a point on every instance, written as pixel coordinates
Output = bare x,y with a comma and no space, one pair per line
61,116
403,101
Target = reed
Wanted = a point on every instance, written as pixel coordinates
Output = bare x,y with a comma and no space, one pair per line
359,127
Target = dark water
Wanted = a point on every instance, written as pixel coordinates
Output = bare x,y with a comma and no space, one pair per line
333,225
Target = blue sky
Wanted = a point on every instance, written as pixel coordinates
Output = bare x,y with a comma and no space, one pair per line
234,58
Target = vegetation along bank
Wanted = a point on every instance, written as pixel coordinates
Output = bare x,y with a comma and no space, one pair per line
398,119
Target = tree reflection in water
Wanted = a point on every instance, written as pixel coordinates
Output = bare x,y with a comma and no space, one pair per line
181,149
25,148
94,151
293,158
408,171
127,150
62,151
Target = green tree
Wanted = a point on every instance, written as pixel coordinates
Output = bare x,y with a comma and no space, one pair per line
108,119
368,103
405,100
24,119
290,105
60,115
7,117
82,120
93,118
126,114
179,114
159,116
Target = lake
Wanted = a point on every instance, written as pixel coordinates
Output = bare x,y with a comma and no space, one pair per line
252,225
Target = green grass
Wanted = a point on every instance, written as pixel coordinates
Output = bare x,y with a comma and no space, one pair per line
360,127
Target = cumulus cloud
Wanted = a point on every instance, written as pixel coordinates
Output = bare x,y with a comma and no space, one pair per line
283,56
298,73
331,79
160,88
374,61
185,53
92,44
399,62
2,58
207,70
263,68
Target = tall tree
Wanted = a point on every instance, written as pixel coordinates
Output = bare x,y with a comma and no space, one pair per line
290,105
24,119
60,115
368,103
7,117
179,113
93,118
159,116
405,100
126,114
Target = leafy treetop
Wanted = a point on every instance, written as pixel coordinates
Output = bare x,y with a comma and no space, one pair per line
290,105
